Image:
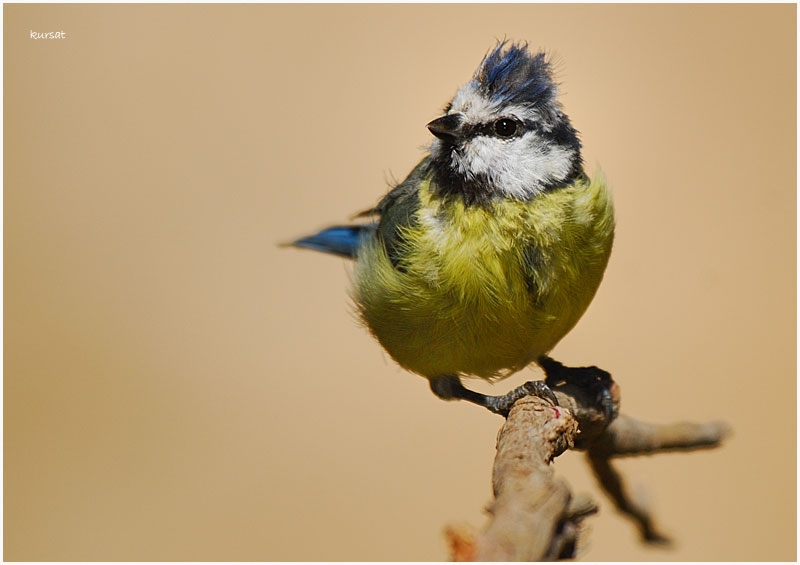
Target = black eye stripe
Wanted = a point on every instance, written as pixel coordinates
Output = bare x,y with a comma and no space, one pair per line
490,128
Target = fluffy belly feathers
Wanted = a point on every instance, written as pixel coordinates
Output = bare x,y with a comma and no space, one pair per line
484,291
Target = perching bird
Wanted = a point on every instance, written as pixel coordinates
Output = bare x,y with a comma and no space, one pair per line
479,262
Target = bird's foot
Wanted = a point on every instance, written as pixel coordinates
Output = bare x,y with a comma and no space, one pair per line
502,404
449,387
595,383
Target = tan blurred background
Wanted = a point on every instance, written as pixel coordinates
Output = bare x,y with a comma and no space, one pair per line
178,387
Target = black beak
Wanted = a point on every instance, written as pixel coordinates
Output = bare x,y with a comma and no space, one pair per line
448,127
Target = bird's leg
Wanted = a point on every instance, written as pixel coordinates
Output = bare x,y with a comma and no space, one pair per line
593,380
449,387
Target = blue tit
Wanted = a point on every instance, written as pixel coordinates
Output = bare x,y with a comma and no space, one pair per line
479,262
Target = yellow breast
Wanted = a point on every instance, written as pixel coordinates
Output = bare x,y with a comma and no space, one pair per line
484,290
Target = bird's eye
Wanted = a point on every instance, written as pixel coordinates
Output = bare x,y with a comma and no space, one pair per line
505,127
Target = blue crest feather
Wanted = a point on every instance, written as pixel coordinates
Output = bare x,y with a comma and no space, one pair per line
509,74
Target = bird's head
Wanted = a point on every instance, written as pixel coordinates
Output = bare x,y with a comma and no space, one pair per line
504,134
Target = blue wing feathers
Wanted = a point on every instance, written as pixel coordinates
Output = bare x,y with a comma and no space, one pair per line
337,240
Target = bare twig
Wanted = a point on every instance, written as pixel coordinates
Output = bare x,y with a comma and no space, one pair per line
627,437
612,483
534,517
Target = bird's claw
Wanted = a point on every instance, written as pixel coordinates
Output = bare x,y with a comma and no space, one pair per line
502,404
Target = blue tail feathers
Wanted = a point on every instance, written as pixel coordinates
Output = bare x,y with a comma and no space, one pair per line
337,240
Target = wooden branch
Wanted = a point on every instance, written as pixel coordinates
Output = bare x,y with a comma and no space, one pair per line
534,517
530,519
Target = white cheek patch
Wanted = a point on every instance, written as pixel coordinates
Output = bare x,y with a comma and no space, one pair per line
540,169
478,157
520,167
